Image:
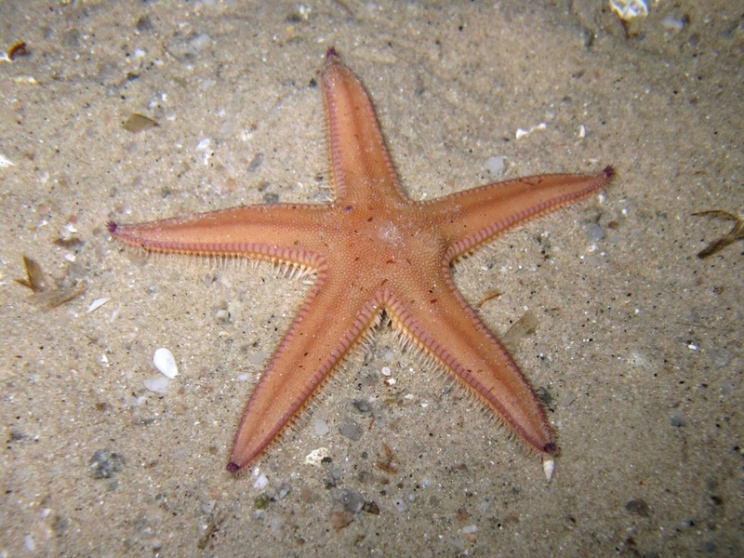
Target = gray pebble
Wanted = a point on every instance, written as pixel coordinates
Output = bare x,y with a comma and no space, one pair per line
350,429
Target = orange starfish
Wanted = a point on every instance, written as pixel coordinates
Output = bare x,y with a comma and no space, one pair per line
373,249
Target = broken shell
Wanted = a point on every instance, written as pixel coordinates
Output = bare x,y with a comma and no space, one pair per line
316,457
165,362
629,9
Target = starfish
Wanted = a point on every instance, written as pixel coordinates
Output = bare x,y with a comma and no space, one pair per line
373,249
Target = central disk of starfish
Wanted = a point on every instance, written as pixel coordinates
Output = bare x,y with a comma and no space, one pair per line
373,249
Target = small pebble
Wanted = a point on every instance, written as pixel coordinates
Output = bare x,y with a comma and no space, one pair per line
165,362
362,406
284,489
157,384
350,429
71,38
104,464
261,502
673,24
144,24
257,161
400,505
222,315
341,519
677,419
352,501
320,426
495,165
199,42
261,482
594,232
258,358
638,506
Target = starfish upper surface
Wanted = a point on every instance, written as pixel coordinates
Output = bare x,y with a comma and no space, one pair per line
373,249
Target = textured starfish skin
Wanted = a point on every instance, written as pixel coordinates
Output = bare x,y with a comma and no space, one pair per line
373,249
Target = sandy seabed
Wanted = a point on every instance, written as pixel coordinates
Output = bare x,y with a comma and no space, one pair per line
638,349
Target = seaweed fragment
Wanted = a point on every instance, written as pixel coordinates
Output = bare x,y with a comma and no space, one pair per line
736,233
51,294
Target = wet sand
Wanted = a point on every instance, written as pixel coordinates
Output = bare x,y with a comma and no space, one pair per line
638,348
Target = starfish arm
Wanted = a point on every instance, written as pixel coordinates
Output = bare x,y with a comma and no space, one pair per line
286,232
328,325
481,213
360,163
441,322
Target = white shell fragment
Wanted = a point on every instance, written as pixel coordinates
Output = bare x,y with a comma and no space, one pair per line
261,482
629,9
204,147
548,468
316,457
521,132
165,362
5,162
96,304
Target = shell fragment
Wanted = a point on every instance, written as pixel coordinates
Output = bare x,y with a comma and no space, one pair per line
165,362
629,9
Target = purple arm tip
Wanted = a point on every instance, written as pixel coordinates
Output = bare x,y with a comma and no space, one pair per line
111,226
331,53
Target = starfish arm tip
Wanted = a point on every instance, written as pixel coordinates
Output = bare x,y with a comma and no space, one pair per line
232,467
111,226
331,53
609,170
